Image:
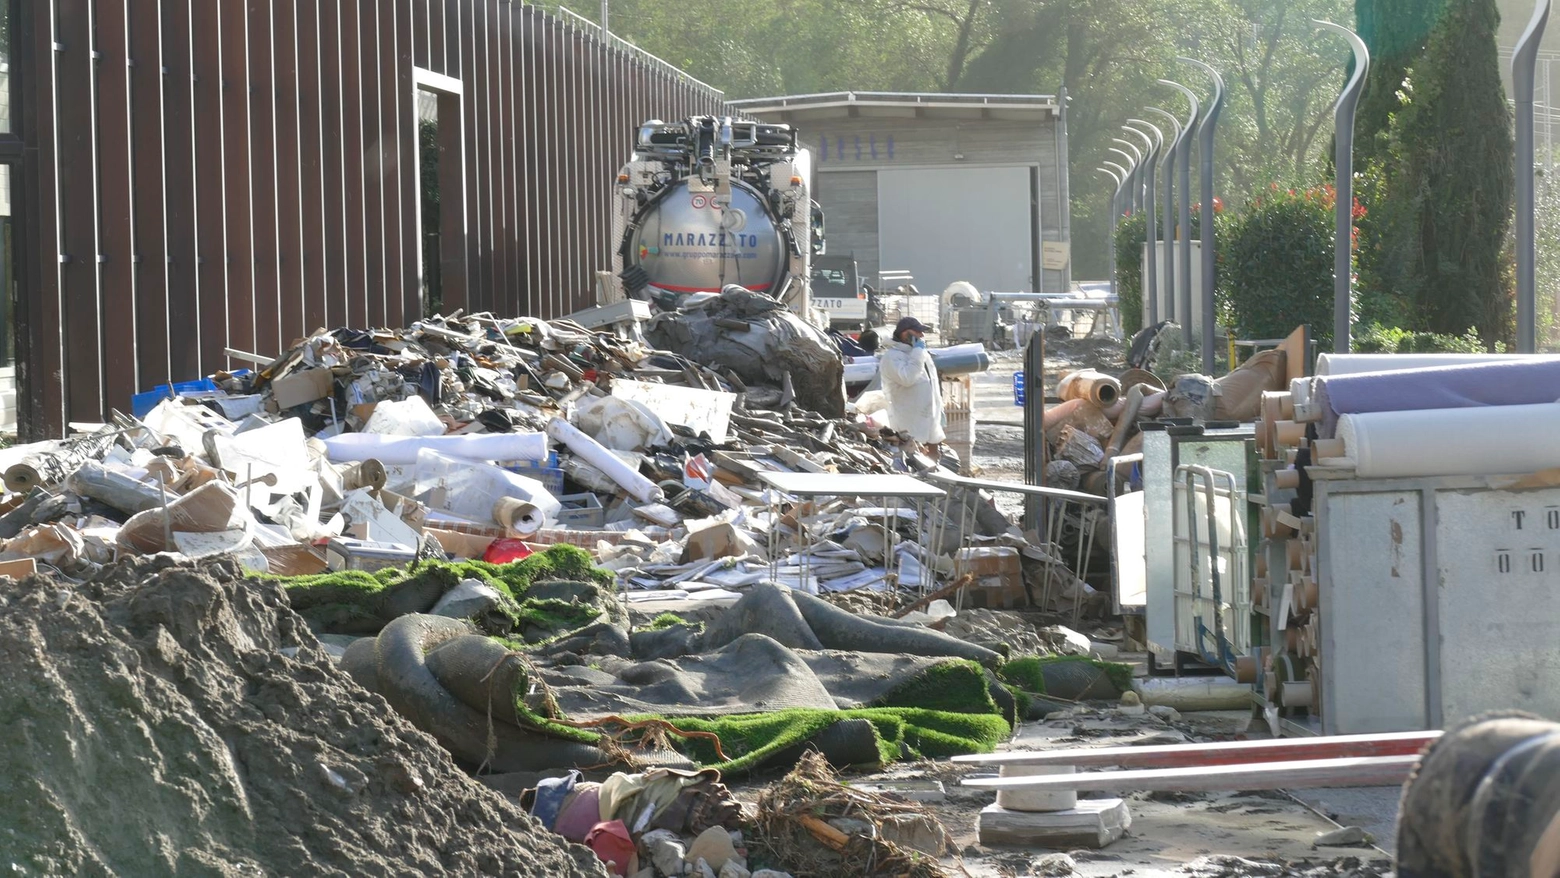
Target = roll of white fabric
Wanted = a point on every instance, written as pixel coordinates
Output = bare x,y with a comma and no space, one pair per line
1353,364
1494,440
402,450
597,455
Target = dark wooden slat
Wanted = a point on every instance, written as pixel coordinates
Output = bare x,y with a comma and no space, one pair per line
150,267
482,153
1308,774
335,247
78,210
409,178
210,214
116,225
353,108
1220,753
183,327
449,28
40,358
289,176
418,27
526,112
476,290
262,127
497,151
237,206
391,163
311,154
373,164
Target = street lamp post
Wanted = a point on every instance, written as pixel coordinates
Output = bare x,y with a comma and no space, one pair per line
1115,211
1205,133
1172,307
1151,269
1523,63
1343,217
1183,149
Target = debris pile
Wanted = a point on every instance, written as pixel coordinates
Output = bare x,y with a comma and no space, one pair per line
208,732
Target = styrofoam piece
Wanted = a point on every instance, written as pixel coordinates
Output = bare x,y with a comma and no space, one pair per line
473,490
703,411
273,450
598,456
1353,364
1493,440
402,450
408,417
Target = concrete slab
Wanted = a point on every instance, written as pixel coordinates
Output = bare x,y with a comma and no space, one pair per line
1095,823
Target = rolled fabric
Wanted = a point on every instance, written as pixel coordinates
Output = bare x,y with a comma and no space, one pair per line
1353,364
1525,381
402,450
519,516
597,455
1494,440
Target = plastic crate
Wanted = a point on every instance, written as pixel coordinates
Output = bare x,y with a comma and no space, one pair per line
545,471
142,404
582,511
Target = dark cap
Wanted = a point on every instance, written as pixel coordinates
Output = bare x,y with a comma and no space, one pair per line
908,323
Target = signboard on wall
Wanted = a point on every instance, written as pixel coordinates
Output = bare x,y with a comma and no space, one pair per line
1054,255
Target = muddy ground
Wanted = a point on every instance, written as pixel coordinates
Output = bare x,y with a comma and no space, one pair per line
180,721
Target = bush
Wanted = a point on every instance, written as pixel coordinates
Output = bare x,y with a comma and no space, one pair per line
1277,261
1378,339
1131,233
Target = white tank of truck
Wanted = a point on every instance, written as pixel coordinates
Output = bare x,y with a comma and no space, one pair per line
714,201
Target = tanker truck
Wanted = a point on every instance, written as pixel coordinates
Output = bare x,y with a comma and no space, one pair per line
713,202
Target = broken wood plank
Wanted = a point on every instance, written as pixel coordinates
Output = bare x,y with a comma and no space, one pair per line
1309,774
1220,753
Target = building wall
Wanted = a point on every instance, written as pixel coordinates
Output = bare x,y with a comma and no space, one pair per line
222,174
851,150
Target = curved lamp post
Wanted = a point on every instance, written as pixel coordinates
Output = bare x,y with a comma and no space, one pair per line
1183,153
1115,211
1167,168
1137,161
1151,281
1343,123
1523,63
1205,134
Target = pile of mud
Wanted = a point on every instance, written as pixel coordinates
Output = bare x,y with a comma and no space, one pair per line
179,720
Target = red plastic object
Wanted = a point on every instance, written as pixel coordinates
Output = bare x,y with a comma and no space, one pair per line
613,847
506,552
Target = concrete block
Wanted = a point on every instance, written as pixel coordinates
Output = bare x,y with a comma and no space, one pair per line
1095,823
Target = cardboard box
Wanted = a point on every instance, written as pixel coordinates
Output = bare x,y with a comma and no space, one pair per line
18,568
999,576
301,387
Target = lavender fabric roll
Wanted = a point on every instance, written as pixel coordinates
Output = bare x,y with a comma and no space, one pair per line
1518,382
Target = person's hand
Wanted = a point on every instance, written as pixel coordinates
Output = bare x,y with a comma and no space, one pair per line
919,342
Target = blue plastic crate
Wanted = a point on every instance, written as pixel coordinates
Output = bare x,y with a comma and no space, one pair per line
1018,388
142,404
545,471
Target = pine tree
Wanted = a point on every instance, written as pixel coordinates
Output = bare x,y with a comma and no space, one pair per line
1452,178
1395,31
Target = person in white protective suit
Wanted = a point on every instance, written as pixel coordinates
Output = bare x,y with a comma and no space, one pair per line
910,382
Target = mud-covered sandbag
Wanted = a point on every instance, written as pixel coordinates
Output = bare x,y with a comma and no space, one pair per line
761,341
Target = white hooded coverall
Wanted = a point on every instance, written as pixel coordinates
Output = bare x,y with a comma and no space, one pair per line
914,394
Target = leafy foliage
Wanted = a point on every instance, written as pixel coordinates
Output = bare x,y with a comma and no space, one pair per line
1131,233
1278,260
1378,339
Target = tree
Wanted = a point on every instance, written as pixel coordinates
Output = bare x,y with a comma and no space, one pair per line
1451,179
1395,31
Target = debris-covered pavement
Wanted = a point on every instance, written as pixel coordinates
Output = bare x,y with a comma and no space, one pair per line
414,583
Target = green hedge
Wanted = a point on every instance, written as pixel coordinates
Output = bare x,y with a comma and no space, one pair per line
1278,263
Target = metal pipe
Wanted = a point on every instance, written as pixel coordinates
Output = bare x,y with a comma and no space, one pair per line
1343,124
1151,268
1206,129
1524,63
1183,154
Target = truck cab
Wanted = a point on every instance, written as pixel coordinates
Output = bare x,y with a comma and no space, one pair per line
837,290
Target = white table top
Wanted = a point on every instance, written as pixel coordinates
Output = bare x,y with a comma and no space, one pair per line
850,485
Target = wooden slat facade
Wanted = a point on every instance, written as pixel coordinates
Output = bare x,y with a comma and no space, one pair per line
206,174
